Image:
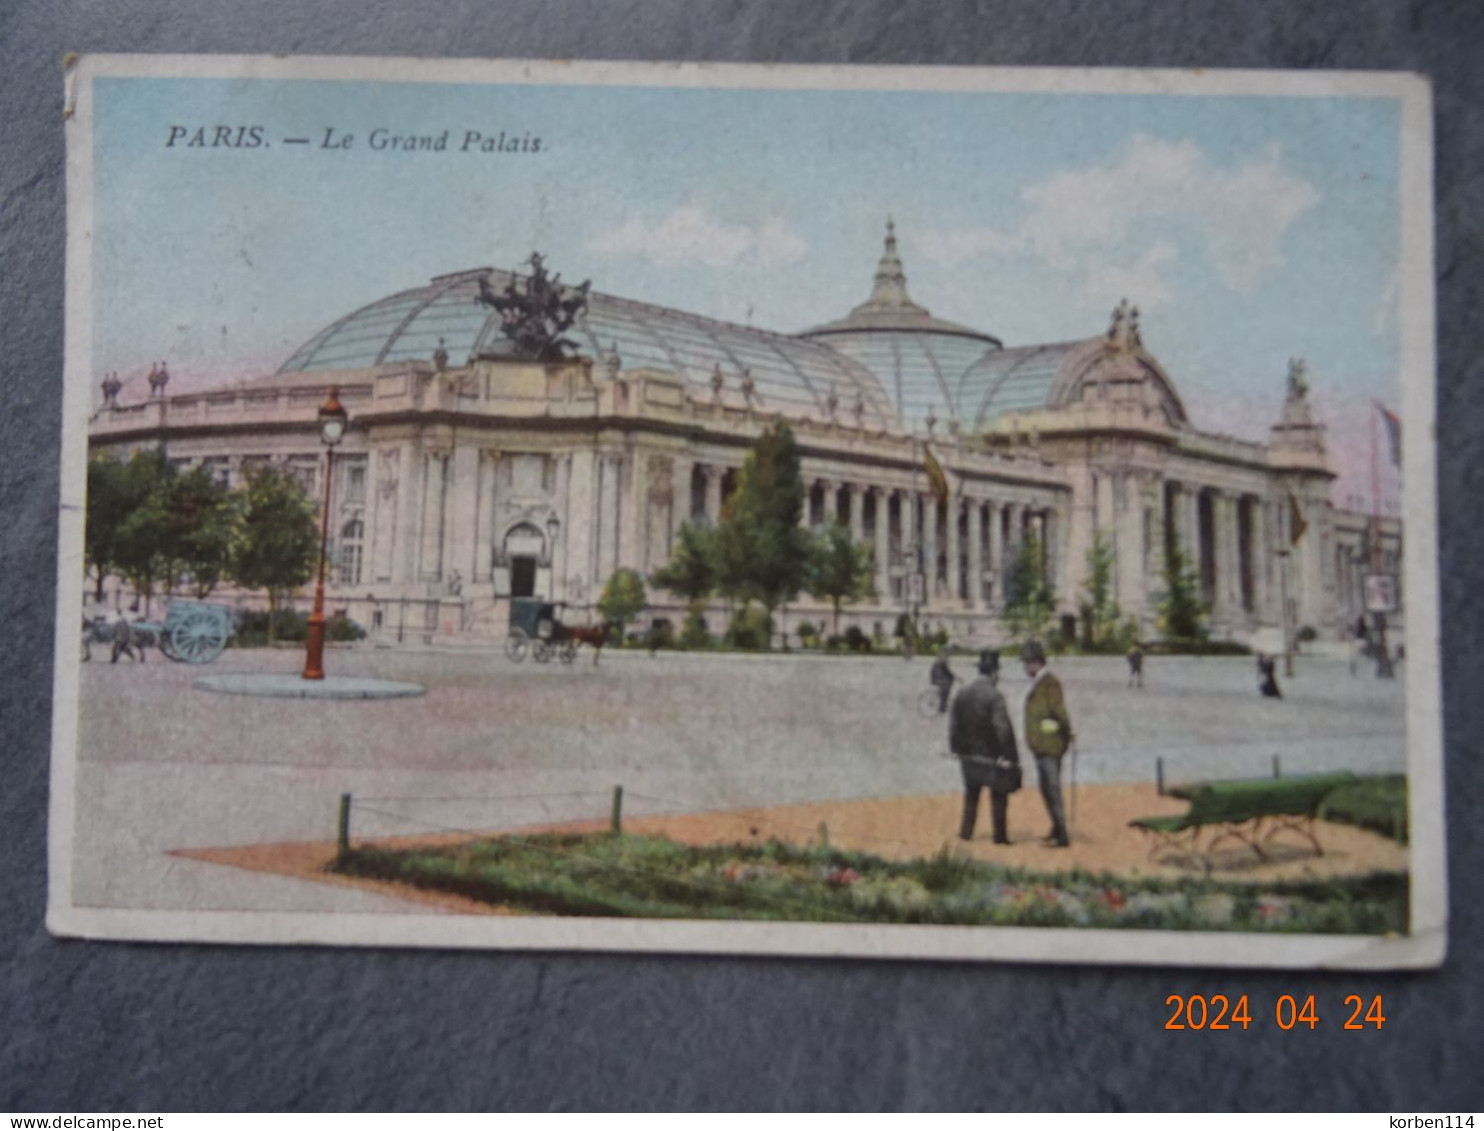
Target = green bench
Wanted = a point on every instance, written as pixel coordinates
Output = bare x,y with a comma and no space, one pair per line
1252,811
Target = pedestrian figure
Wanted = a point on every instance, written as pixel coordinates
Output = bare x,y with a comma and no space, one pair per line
1136,665
125,641
979,732
1267,671
1048,733
941,677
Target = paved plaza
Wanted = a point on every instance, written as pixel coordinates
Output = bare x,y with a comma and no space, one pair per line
495,745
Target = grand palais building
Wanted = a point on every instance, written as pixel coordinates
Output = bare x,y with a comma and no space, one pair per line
469,476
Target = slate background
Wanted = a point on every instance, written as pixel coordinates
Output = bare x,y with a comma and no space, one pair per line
87,1026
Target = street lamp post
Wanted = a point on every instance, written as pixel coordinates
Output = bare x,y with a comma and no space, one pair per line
332,423
553,528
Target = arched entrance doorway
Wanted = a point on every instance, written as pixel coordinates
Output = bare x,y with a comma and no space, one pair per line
525,550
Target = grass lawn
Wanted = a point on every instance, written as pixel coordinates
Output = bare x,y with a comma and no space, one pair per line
656,878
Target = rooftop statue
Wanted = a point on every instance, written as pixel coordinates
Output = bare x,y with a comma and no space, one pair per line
535,311
1298,381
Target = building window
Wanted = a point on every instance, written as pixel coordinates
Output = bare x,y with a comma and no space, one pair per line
306,470
348,560
355,485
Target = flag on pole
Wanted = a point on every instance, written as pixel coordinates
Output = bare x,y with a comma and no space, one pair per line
937,480
1393,424
1296,523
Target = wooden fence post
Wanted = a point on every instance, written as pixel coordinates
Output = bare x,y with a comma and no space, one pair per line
344,834
617,821
1159,775
1277,767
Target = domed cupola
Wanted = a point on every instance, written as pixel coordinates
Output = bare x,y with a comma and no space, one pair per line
918,359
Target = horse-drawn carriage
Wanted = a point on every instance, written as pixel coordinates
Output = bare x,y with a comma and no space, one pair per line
535,628
193,632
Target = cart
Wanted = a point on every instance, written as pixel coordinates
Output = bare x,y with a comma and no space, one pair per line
535,629
193,632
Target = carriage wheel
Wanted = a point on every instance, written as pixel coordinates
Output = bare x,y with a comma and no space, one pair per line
166,646
569,651
542,650
517,644
198,639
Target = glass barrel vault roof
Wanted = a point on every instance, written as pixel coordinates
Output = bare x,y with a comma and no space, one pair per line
787,372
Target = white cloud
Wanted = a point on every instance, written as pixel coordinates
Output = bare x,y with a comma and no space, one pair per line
1143,281
1128,215
690,235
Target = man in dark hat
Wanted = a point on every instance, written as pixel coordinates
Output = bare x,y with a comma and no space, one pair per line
1048,732
979,732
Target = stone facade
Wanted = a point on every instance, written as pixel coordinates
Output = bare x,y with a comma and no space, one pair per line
462,484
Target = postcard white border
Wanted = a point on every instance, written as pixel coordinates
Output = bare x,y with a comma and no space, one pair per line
1426,944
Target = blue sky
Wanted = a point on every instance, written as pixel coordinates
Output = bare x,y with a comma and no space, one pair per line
1249,230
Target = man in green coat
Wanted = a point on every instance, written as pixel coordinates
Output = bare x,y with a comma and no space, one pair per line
1048,733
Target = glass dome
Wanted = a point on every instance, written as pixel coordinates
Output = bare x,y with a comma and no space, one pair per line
919,360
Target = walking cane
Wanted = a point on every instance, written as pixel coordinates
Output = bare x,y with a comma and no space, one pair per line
1072,817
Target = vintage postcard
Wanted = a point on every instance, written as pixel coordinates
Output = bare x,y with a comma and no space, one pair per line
922,512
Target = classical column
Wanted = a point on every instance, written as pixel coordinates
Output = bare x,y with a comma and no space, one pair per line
408,511
435,492
906,523
955,570
883,544
996,550
713,475
463,506
857,501
1014,535
680,498
1050,559
633,517
929,504
976,554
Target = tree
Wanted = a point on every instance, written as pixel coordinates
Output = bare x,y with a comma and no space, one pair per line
109,504
623,598
142,519
762,552
1029,601
199,524
691,572
840,570
275,546
1182,614
1101,614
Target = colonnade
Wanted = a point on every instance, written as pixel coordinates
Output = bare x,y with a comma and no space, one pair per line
964,548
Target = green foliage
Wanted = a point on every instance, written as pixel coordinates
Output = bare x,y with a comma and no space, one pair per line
840,571
694,633
808,630
1375,803
288,625
691,572
199,523
115,490
276,543
138,523
1030,603
1100,614
1182,614
1307,635
340,629
762,553
623,598
751,630
652,877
